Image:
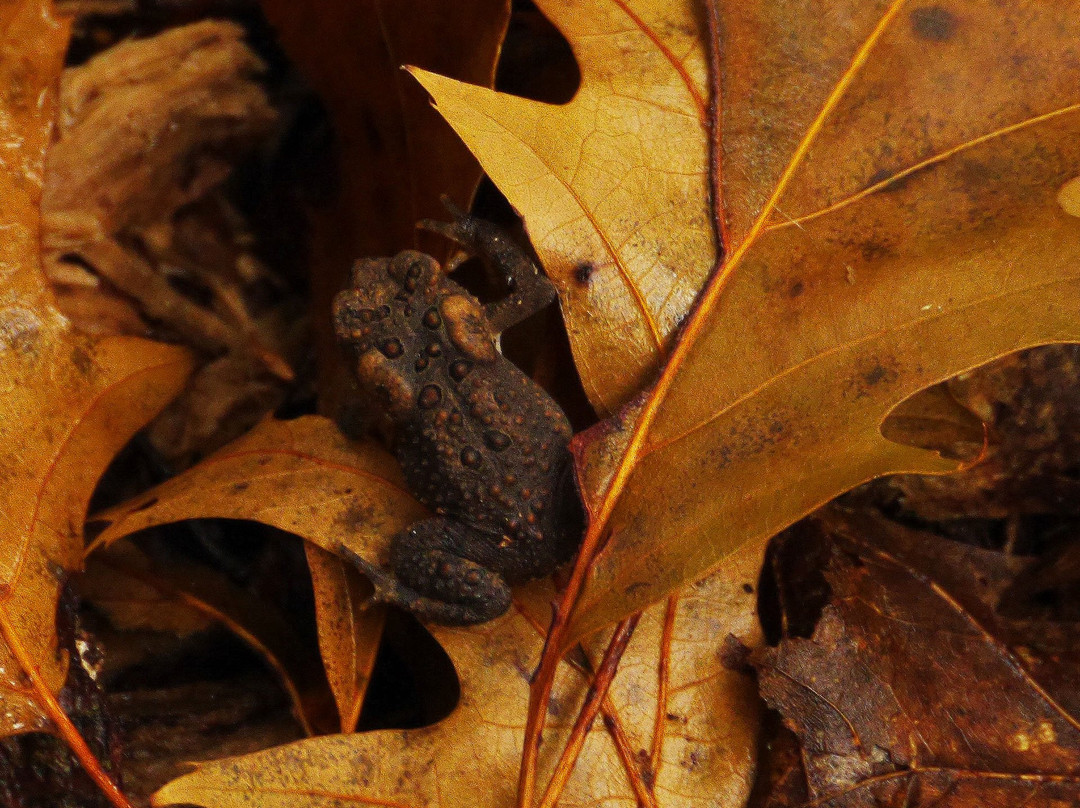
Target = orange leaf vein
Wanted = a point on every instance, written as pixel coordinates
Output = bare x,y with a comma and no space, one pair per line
929,161
661,46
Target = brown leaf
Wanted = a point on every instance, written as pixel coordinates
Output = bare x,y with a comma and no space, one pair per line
302,476
908,694
68,404
394,155
350,628
613,185
918,231
694,747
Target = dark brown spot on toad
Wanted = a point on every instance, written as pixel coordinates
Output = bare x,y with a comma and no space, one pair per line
495,440
796,289
460,369
934,23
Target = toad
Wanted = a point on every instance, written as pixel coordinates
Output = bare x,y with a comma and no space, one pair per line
481,444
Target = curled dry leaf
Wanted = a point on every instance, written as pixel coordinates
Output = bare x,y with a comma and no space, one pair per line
350,627
67,404
922,227
613,186
924,702
302,476
693,745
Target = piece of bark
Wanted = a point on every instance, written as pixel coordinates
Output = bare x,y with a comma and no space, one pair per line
137,237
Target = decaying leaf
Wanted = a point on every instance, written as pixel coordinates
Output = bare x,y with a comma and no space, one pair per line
394,156
133,239
918,231
613,186
694,748
911,691
67,404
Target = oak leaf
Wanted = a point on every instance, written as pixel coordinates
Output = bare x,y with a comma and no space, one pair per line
302,476
613,186
690,742
67,404
899,206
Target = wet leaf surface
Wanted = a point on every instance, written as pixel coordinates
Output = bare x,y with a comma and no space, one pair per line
67,404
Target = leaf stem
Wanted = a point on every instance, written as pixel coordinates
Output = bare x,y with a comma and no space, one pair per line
63,725
555,645
594,699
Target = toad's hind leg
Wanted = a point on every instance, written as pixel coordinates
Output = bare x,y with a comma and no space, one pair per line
433,580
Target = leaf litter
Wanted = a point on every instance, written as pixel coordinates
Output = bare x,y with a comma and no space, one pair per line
888,234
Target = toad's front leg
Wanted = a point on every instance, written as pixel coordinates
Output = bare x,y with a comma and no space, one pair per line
530,290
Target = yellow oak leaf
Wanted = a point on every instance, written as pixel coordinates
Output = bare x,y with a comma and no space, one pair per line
613,186
67,404
678,735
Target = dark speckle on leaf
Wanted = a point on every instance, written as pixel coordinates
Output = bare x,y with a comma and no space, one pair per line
583,272
933,23
82,360
876,375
